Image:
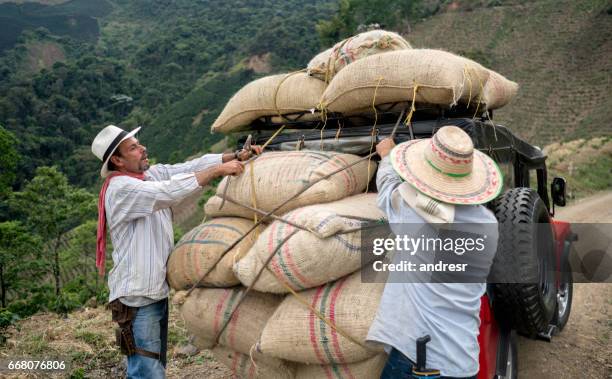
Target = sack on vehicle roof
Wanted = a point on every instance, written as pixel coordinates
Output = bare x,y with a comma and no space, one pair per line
207,309
367,369
327,63
440,78
308,259
269,96
200,248
255,365
278,176
498,91
295,333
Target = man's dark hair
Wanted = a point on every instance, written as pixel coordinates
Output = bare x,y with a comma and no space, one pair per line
111,166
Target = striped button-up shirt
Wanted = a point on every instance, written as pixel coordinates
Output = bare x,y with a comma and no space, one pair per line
140,222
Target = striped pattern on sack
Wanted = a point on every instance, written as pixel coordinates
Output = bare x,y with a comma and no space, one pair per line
295,333
305,260
200,248
327,63
254,366
281,175
206,310
367,369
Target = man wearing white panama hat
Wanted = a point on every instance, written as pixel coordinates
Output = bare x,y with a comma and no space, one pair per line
135,200
430,184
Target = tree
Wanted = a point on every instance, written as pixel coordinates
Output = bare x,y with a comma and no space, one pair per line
8,161
389,14
19,266
78,259
52,208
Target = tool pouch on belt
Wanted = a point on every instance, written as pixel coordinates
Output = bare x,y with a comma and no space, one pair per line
124,316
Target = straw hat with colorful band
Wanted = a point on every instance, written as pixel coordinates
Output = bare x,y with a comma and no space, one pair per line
447,168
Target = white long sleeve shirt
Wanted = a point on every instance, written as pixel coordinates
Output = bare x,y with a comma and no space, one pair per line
448,312
140,223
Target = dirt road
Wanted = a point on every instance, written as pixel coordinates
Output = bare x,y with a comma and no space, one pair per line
584,348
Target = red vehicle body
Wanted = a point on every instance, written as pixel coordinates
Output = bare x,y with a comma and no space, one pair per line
489,333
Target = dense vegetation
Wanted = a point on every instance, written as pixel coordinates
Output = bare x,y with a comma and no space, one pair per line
68,70
153,63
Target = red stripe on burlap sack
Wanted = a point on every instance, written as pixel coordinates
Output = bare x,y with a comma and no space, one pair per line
274,262
343,174
235,359
351,180
232,328
286,272
313,336
219,310
334,335
251,369
286,252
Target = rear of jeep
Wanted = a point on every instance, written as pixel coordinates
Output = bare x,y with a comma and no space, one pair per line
530,290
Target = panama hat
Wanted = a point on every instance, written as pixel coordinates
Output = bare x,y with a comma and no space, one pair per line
447,168
106,142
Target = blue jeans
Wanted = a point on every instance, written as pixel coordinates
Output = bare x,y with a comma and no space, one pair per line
150,328
399,366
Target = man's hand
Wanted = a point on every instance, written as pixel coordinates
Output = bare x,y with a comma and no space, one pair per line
384,147
230,168
244,155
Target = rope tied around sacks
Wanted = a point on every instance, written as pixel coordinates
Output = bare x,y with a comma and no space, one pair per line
373,132
268,214
271,214
277,89
263,147
302,227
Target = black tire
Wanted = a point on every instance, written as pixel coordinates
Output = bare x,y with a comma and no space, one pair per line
564,298
512,358
525,295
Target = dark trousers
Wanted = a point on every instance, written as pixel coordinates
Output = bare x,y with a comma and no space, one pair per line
399,366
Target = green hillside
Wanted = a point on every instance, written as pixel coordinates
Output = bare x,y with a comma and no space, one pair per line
69,68
560,52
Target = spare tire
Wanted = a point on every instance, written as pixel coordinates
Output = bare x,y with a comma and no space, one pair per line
524,293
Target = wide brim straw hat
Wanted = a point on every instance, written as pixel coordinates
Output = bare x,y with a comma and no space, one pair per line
106,142
447,168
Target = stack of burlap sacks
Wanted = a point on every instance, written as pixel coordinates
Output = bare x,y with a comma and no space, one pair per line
370,69
283,328
308,312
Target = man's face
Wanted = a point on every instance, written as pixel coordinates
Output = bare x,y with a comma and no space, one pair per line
132,158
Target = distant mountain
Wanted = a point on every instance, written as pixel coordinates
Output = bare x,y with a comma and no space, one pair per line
179,61
559,51
76,19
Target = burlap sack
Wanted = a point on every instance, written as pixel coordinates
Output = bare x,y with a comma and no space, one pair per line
309,259
207,309
442,78
367,369
256,366
327,63
281,175
200,248
498,91
271,95
297,334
